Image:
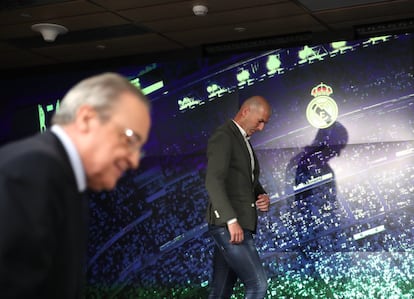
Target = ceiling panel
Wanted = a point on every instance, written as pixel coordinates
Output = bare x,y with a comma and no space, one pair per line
235,17
106,48
329,4
162,12
48,12
75,23
126,4
363,14
112,29
19,58
257,29
89,21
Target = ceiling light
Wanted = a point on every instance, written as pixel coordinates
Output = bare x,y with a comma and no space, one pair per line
25,15
49,31
200,10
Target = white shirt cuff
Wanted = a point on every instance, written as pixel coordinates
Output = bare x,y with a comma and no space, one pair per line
231,221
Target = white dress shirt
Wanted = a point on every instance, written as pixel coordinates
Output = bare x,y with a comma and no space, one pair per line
74,157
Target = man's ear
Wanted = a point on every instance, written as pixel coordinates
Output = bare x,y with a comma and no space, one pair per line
245,111
84,116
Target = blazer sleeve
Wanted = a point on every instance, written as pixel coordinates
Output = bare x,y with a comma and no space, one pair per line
258,188
219,155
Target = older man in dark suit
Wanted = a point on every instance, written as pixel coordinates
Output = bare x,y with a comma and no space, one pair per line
97,134
235,195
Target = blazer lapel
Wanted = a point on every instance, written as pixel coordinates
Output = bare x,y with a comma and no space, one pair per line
243,145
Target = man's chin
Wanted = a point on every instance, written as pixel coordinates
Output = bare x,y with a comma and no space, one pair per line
110,186
104,186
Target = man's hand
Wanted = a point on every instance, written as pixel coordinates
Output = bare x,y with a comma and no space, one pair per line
263,202
236,233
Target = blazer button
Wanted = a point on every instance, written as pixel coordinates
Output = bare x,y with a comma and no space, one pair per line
253,205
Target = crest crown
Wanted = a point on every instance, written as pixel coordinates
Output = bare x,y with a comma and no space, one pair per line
321,90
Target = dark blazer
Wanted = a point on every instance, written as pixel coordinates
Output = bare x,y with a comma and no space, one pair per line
42,221
232,193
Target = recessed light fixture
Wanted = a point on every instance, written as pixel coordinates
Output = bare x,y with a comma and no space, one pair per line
200,10
239,29
25,15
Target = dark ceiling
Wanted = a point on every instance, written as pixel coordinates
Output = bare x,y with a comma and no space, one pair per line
101,30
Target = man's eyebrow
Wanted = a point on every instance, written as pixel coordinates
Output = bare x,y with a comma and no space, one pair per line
137,136
134,134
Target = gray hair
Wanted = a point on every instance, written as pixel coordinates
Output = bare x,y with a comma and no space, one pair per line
100,92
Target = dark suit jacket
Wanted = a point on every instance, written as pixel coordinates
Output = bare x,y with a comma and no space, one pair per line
42,221
232,193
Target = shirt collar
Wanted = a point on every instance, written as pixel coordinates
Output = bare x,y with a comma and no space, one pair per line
242,131
74,157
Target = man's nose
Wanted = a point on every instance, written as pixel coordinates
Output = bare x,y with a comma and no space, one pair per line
134,159
261,126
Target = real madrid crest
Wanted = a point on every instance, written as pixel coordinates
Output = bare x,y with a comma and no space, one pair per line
322,111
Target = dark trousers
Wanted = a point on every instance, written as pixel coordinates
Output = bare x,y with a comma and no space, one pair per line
232,261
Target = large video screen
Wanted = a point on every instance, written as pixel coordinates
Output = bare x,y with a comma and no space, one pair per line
337,159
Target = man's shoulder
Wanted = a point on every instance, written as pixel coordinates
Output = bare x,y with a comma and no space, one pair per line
37,146
39,140
226,130
227,127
